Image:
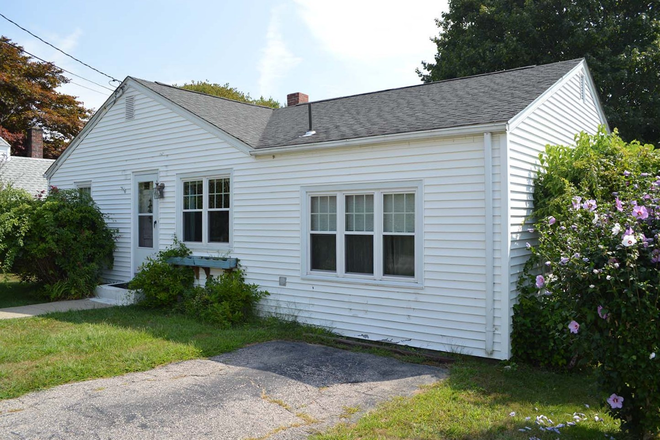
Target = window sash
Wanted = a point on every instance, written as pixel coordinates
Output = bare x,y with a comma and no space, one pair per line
350,236
206,210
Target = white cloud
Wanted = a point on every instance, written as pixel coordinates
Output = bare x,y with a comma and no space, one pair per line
277,60
373,30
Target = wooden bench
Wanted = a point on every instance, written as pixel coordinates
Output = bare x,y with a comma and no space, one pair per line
206,263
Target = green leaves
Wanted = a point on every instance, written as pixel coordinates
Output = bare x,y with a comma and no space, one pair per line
602,271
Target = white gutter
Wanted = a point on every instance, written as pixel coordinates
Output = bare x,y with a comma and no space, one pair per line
490,254
443,132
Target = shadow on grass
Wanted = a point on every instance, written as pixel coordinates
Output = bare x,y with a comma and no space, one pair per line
209,339
14,293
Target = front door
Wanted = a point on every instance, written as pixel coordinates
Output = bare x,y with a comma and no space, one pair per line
145,218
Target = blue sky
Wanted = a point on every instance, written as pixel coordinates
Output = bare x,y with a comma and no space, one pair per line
270,47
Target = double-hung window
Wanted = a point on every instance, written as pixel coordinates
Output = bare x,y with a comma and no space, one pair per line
206,210
365,233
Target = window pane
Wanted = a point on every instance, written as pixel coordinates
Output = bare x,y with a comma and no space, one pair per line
145,197
315,204
369,222
350,203
399,255
315,222
399,203
323,222
145,231
219,227
350,222
192,226
410,202
398,225
359,222
388,203
387,222
360,254
410,223
324,252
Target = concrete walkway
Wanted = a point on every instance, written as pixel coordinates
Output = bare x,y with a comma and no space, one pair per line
57,306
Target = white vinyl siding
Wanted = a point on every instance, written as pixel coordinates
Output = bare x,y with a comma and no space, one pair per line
446,311
571,109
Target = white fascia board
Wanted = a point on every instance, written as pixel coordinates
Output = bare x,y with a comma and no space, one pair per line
193,118
399,137
596,96
543,97
86,129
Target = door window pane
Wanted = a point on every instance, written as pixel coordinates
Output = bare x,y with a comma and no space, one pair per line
192,226
145,197
360,254
219,226
145,231
399,255
324,252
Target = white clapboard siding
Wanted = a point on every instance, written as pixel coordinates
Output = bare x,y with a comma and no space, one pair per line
556,122
447,313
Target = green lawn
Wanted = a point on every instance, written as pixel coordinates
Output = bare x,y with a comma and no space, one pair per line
41,352
482,400
14,293
475,402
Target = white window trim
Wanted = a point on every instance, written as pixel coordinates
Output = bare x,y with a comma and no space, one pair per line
376,188
205,176
84,184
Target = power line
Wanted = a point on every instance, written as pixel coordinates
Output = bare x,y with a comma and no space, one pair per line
88,88
57,48
61,68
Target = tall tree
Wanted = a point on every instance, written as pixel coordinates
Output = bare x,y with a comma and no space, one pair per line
28,98
620,40
228,92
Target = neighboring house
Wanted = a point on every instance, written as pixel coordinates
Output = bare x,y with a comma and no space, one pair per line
394,216
25,172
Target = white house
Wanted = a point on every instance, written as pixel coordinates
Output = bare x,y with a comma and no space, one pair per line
392,216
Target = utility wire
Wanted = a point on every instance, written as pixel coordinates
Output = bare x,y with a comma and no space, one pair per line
88,88
61,68
57,48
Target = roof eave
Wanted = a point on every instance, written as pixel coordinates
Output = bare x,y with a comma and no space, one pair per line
387,138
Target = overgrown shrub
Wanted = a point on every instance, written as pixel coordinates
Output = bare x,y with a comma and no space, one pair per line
61,241
15,207
590,293
161,283
224,300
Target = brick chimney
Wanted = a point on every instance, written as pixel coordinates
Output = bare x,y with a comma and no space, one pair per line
35,144
296,98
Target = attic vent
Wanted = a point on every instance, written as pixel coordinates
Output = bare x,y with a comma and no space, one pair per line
583,88
130,107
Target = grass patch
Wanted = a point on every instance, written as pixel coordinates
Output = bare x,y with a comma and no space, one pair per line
13,293
476,402
49,350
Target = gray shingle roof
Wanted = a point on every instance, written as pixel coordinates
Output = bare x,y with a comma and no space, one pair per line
481,99
26,173
245,122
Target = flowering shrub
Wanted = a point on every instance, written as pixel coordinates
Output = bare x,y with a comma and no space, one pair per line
597,294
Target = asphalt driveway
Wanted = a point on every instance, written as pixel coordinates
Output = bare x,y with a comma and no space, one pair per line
275,390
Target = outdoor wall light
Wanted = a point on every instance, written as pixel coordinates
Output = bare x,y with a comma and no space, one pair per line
159,190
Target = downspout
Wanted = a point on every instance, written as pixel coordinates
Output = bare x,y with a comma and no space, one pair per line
490,251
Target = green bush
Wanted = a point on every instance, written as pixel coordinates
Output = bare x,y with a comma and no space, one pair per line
161,283
15,207
226,300
61,241
591,291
